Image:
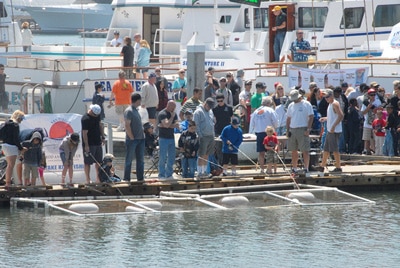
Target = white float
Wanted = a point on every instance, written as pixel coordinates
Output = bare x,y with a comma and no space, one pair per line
234,201
84,208
306,196
134,209
151,204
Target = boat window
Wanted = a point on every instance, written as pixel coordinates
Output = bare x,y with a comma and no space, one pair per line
225,19
260,18
386,15
312,17
3,12
352,18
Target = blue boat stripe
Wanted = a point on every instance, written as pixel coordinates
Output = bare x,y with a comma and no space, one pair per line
354,34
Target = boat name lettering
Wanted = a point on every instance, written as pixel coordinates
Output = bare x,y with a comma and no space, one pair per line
107,85
209,63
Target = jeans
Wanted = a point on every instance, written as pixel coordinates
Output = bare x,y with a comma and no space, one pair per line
323,137
188,167
344,138
388,145
278,43
134,150
166,157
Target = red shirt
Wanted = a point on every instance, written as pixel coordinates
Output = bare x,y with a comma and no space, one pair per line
378,125
270,141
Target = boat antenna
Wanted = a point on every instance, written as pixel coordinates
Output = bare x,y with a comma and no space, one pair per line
366,26
83,31
344,31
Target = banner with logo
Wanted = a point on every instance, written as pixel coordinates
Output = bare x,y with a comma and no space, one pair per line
56,127
333,77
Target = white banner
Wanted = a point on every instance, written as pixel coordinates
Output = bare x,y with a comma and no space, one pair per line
56,127
333,77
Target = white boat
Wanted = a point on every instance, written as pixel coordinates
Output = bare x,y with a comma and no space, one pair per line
70,18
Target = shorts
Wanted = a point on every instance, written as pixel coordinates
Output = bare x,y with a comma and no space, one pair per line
230,157
30,169
260,140
298,141
120,108
332,142
206,145
64,159
152,112
10,150
142,70
96,152
367,134
270,157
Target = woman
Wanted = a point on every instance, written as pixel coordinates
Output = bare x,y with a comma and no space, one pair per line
162,95
11,144
26,36
67,150
127,52
279,93
143,59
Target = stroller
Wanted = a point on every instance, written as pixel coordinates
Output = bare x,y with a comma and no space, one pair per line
155,158
3,167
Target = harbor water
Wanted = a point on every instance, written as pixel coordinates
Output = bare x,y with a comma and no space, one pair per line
339,236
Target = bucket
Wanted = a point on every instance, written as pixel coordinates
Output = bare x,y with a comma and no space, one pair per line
314,159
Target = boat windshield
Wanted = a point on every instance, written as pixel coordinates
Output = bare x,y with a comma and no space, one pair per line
260,18
386,15
352,17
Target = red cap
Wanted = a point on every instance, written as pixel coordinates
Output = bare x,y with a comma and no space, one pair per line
276,84
371,91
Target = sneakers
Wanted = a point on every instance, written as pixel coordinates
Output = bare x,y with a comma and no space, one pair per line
234,173
224,174
318,168
337,170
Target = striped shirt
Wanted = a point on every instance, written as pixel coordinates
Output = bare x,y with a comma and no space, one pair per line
191,104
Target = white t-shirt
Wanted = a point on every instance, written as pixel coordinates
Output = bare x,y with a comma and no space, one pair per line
299,113
376,103
115,42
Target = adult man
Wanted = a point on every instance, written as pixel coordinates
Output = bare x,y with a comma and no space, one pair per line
256,99
3,93
127,53
300,48
240,78
334,126
300,116
134,140
204,118
228,98
167,121
233,87
121,97
261,118
117,41
192,103
211,84
338,94
280,31
245,95
92,139
223,114
150,97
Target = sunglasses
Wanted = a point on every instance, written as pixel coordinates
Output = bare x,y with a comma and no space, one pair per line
182,72
327,97
220,100
280,88
157,71
371,95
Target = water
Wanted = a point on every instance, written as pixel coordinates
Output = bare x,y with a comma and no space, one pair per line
71,39
342,236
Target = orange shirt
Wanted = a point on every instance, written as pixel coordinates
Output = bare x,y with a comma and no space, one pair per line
122,92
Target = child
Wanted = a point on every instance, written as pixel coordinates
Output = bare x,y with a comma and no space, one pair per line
99,98
151,142
67,150
189,145
32,158
378,126
184,125
271,146
232,138
107,170
42,167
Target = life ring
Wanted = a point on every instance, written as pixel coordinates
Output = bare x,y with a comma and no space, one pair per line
84,208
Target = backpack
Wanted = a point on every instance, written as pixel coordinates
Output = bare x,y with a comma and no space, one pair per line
3,129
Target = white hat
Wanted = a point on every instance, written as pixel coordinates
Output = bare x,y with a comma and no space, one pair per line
294,95
95,109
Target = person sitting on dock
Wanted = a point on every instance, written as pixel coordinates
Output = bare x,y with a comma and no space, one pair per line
117,41
107,170
151,140
67,149
333,120
232,138
300,116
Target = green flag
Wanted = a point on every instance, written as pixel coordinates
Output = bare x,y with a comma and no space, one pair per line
195,2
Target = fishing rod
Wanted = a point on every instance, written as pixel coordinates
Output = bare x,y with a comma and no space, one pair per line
285,168
240,151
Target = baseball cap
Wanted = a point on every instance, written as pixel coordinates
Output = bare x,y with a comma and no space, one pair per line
210,102
235,121
344,84
222,79
211,69
148,125
248,82
294,95
276,8
327,92
371,91
98,86
189,112
152,75
374,84
116,32
95,109
75,137
261,85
